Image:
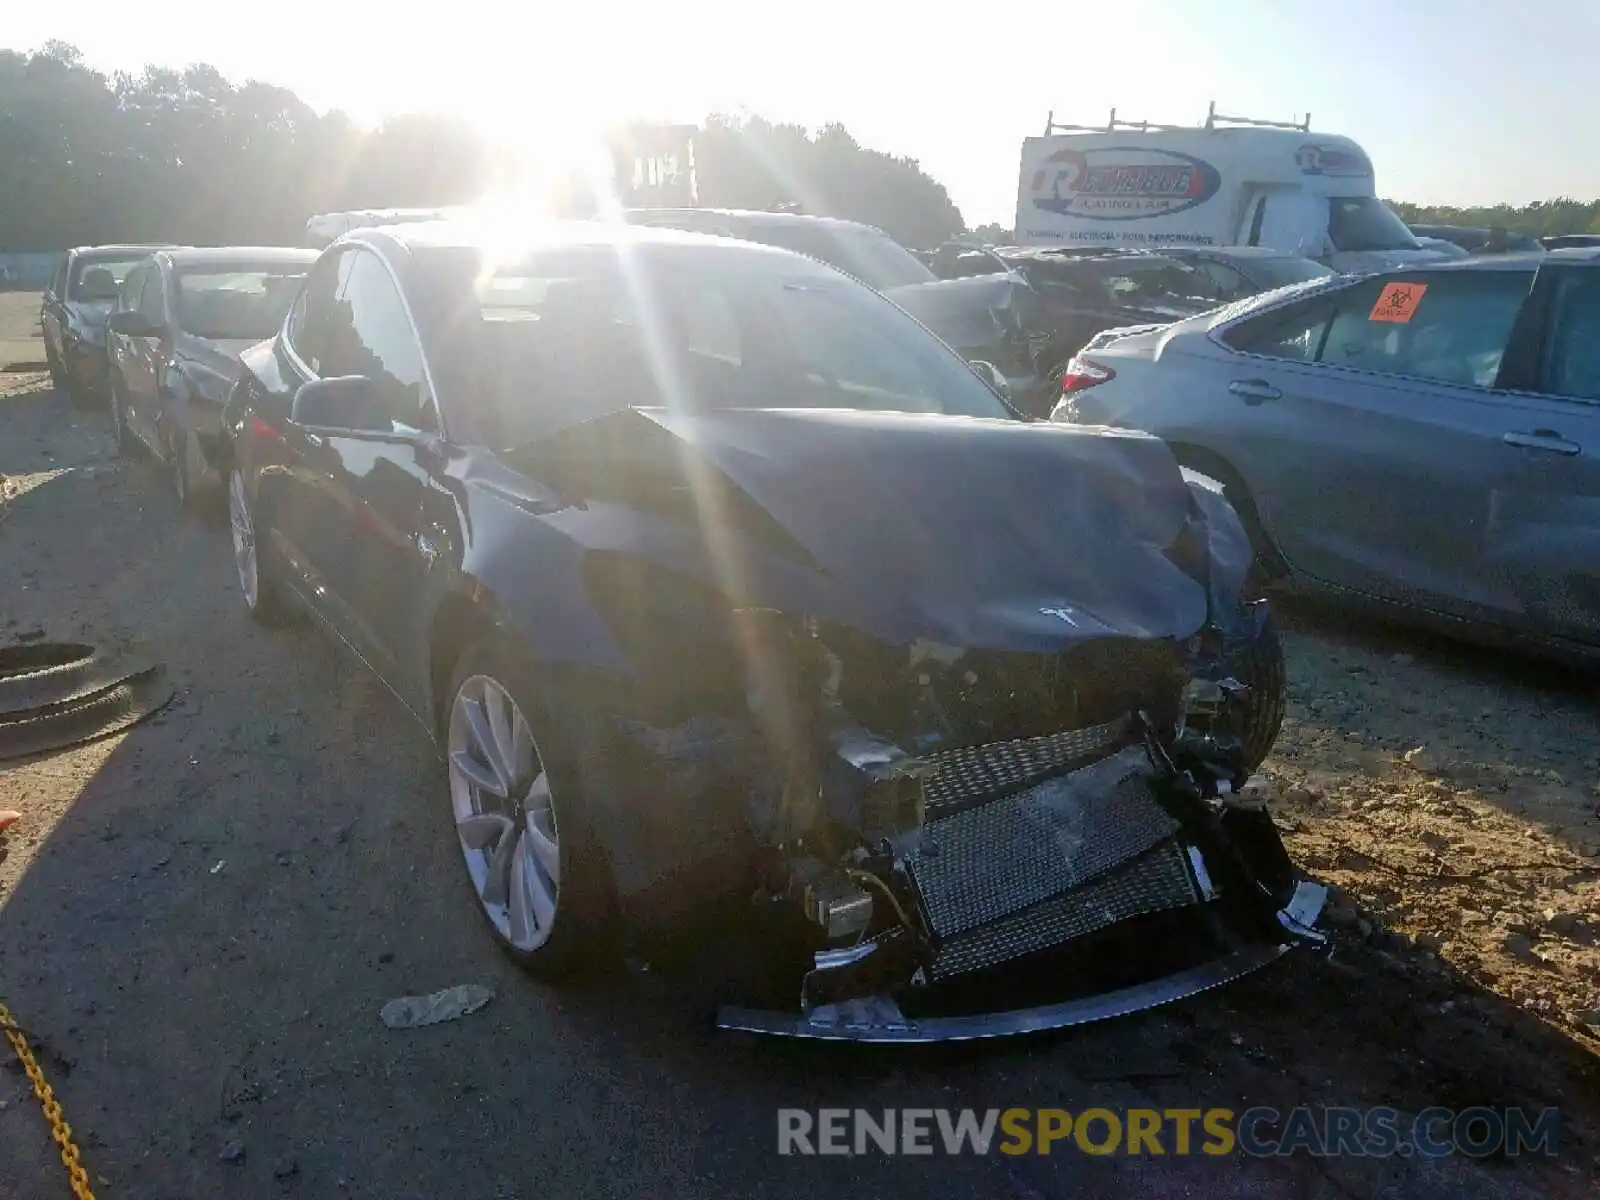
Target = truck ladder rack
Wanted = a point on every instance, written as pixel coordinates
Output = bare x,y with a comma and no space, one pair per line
1213,121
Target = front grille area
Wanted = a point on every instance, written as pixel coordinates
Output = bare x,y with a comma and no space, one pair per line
973,774
1049,862
1158,879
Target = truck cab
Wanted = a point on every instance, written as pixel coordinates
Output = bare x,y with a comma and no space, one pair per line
1231,181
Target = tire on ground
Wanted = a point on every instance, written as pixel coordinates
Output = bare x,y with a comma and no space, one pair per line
1261,668
584,936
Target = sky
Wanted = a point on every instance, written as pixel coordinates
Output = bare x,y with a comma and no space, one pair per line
1456,101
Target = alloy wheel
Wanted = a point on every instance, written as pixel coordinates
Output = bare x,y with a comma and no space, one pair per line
244,540
180,467
504,812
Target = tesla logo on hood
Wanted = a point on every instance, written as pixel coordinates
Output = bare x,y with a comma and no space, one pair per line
1064,614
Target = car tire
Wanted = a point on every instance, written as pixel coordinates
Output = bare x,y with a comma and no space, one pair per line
1262,669
263,594
126,444
58,377
79,395
178,467
553,923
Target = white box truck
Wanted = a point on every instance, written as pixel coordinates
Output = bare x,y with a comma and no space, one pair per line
1230,182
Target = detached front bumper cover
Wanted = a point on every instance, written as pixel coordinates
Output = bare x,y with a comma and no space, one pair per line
879,1019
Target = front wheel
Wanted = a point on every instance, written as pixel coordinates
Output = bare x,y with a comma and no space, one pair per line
178,465
1261,668
517,807
127,445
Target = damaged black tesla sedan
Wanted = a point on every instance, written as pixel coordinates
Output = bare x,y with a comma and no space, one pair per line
718,579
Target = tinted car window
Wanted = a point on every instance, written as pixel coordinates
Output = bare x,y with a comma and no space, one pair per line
370,334
58,281
1454,328
132,286
872,257
1294,333
1366,223
1572,353
570,336
90,270
152,302
1227,283
235,301
312,312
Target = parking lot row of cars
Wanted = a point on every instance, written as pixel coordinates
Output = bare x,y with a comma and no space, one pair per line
716,578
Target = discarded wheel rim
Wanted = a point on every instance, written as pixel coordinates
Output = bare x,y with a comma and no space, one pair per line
56,694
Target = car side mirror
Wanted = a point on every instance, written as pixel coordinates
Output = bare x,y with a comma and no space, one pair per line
130,323
991,375
344,402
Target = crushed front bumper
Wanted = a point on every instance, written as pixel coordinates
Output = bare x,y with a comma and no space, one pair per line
879,1019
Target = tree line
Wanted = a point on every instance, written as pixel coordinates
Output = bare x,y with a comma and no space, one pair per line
1541,218
186,155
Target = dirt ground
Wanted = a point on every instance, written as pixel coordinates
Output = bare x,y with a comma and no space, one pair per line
200,919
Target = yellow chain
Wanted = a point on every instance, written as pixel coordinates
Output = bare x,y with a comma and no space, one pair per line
59,1129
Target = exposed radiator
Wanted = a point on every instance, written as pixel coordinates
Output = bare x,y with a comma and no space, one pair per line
1050,862
961,778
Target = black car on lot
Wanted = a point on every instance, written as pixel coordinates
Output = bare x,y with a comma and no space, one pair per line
992,320
82,292
173,349
1085,290
1478,239
719,581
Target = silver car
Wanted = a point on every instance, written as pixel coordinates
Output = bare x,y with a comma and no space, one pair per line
1428,437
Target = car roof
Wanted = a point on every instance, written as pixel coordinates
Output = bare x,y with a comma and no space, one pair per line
756,217
225,255
465,233
120,250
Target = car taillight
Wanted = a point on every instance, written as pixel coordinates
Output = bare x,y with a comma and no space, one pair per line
1083,373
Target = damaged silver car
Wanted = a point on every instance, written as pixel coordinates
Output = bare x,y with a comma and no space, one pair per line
725,586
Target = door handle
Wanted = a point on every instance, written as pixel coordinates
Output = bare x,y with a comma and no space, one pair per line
1254,391
1547,440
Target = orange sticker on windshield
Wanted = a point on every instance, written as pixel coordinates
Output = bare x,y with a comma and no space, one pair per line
1398,302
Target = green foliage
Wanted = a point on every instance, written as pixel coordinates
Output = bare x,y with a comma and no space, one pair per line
186,155
1541,218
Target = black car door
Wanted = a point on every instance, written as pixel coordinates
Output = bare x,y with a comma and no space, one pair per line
145,360
289,466
367,487
52,310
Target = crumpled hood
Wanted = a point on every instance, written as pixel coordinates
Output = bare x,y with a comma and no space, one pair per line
971,313
975,533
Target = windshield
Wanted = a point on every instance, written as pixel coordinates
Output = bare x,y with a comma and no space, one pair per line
872,257
90,277
576,334
1280,272
1366,223
237,303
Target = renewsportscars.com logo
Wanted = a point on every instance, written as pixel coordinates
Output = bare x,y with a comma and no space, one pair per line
1257,1132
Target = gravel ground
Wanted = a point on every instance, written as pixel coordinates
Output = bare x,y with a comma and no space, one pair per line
200,919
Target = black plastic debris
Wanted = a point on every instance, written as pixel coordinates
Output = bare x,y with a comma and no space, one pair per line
55,694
